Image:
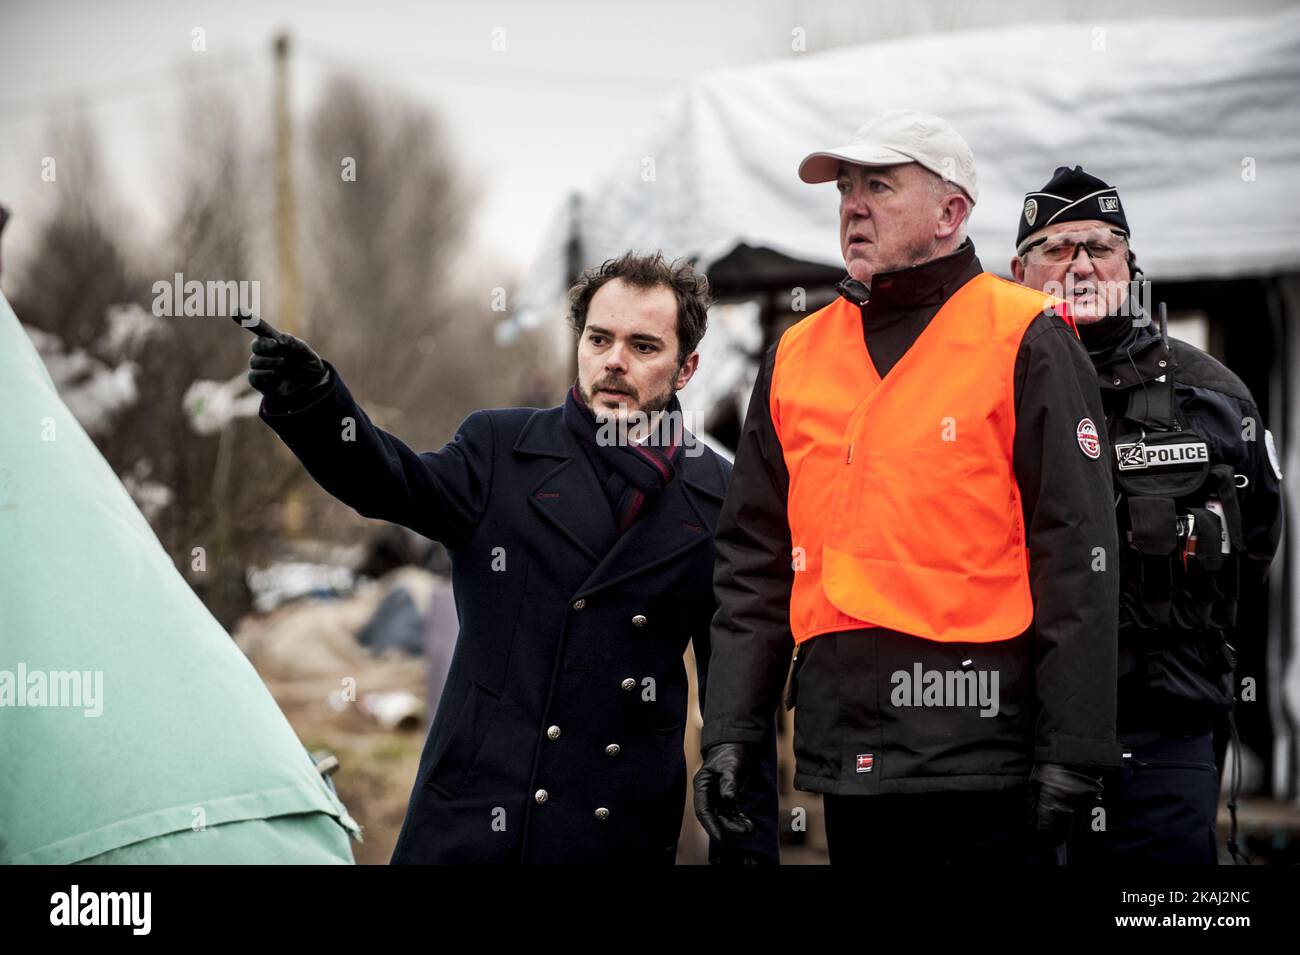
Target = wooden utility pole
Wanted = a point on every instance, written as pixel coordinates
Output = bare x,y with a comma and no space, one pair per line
573,266
289,317
286,213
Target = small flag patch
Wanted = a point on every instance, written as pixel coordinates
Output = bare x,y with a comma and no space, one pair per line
1089,441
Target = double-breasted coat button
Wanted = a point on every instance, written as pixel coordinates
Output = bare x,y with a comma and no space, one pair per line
541,796
579,603
602,814
613,749
553,732
638,620
629,684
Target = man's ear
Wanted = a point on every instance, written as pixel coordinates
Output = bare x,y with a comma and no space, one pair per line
687,371
956,207
1017,270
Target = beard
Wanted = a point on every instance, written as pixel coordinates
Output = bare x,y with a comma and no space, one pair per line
658,402
649,406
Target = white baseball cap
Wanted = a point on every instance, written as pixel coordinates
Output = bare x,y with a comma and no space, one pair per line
897,137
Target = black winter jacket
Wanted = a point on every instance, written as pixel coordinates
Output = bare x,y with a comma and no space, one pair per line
1173,682
1056,682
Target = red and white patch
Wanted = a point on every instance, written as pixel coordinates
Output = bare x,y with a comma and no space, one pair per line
1089,442
865,762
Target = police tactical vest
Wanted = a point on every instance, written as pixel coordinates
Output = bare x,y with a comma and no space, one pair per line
1179,521
904,510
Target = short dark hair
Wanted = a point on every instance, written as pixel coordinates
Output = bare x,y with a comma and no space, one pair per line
647,271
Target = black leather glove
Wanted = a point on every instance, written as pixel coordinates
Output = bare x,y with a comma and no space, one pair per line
282,366
1056,792
718,784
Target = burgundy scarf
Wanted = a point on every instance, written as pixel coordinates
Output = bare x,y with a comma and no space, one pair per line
636,473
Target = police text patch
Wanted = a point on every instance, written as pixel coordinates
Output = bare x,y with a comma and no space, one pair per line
1138,456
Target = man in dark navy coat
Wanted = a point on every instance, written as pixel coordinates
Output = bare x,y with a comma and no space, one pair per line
581,541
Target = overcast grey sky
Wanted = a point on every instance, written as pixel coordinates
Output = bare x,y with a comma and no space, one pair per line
528,122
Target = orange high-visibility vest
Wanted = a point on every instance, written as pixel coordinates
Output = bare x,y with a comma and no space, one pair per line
903,508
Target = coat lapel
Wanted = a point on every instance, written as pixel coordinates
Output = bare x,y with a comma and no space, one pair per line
569,497
675,526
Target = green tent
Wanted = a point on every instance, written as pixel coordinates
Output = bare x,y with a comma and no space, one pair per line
131,727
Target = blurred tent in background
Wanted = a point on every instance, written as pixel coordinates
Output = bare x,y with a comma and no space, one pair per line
1194,119
714,176
169,748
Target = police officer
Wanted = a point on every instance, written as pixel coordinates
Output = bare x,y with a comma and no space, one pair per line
919,503
1199,510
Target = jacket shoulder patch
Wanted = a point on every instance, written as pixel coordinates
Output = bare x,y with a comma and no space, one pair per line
1089,441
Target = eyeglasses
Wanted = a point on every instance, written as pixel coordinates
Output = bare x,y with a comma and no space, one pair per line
1100,244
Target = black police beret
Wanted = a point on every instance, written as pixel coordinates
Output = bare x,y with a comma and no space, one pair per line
1071,195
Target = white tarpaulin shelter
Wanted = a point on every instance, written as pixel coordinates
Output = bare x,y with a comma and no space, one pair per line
1195,120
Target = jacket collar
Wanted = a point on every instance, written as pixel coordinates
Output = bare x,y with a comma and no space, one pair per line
928,284
569,497
1125,354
